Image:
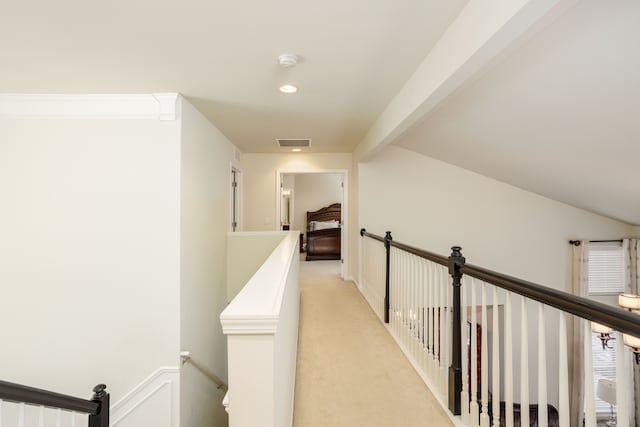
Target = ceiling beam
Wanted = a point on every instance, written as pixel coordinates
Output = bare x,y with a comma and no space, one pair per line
482,34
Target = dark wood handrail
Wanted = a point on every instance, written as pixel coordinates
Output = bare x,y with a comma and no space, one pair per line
614,317
364,232
439,259
34,396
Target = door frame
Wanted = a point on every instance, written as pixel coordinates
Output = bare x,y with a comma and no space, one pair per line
344,243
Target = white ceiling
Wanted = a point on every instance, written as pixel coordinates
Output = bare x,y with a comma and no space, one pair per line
559,117
222,55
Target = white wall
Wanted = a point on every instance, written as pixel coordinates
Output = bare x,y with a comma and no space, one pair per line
435,205
260,187
312,192
206,158
89,253
246,252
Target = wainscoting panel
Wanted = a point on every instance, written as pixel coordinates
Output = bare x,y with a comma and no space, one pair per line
154,402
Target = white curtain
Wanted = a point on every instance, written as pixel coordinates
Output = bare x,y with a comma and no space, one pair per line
580,287
631,248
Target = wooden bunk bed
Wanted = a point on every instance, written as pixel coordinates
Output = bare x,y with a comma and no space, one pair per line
324,233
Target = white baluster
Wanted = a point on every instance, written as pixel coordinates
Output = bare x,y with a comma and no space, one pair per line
409,333
425,314
464,396
393,293
398,304
495,361
437,328
422,313
508,360
524,363
73,419
400,298
59,418
407,303
449,325
417,304
406,331
589,394
21,415
474,410
401,309
484,367
434,326
622,386
41,417
1,403
398,294
428,317
442,345
542,370
563,374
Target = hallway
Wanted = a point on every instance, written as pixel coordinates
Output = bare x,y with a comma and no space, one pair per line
350,371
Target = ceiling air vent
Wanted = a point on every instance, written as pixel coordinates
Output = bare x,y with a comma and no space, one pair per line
294,143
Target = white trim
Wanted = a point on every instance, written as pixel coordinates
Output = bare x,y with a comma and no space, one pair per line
162,378
257,325
160,106
433,388
256,308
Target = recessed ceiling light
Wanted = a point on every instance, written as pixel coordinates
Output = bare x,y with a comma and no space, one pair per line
288,89
296,150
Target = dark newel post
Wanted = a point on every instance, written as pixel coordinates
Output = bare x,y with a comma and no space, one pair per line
456,261
387,246
101,397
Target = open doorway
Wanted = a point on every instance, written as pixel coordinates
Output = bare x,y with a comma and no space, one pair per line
320,194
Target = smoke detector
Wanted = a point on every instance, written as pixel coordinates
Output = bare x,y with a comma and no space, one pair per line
288,60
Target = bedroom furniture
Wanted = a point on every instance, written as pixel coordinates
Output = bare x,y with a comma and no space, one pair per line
324,233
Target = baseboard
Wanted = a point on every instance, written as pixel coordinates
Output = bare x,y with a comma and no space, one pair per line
455,419
164,383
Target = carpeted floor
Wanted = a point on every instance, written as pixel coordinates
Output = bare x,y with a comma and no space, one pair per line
350,371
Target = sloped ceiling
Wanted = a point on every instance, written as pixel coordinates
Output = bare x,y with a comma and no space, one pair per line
559,117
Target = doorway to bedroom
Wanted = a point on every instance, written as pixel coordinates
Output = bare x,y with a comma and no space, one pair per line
314,203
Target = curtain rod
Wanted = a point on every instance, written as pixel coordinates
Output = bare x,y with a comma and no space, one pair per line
579,242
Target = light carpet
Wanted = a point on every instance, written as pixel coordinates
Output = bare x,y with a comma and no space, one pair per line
350,371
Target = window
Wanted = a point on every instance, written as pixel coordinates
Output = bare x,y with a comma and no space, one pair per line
606,269
606,277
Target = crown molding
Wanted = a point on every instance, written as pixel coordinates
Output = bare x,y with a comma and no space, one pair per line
160,106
